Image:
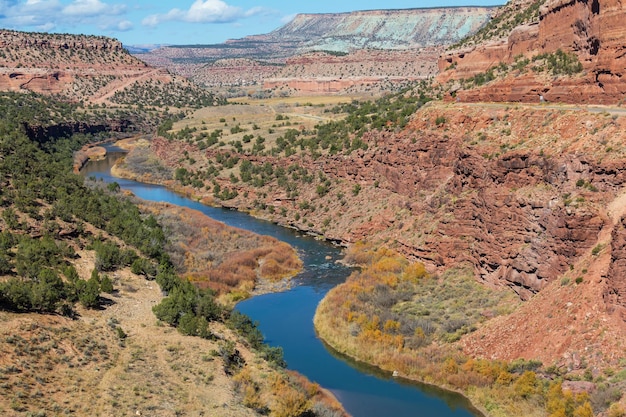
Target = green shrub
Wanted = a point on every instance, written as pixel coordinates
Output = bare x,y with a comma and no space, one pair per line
597,249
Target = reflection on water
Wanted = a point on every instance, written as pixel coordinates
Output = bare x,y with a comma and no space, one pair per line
286,319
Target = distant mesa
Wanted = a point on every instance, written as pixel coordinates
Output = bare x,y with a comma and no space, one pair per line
347,32
377,37
375,29
142,49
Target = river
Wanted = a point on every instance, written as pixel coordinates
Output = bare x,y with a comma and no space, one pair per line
286,319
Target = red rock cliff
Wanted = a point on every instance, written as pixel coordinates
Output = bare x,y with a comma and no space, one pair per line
593,30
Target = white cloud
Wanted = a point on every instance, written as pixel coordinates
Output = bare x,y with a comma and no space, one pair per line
151,20
46,27
45,15
204,11
124,25
91,8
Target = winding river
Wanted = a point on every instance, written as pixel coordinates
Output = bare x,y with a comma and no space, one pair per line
286,319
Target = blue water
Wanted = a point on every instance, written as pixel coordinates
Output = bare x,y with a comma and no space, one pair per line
286,320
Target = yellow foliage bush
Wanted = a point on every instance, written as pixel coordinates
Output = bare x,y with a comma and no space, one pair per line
289,401
391,326
583,410
616,410
393,264
526,385
414,272
450,366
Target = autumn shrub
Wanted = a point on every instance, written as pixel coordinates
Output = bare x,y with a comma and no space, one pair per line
360,253
225,259
250,390
289,400
616,410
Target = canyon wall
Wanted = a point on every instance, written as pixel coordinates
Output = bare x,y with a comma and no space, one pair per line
517,193
615,293
592,30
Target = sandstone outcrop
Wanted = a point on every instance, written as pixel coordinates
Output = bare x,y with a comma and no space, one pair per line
509,238
44,81
593,31
615,294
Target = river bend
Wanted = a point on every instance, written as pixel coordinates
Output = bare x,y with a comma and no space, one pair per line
286,319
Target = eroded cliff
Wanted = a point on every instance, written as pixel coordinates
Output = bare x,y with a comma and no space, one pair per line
593,31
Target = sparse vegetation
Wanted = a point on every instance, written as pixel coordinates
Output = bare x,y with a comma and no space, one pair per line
558,63
161,94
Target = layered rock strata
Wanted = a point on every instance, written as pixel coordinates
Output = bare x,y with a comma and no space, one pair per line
592,30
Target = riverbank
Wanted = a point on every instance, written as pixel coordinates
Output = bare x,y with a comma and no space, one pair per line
338,338
86,154
143,165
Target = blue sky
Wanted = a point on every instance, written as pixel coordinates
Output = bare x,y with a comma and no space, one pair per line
183,22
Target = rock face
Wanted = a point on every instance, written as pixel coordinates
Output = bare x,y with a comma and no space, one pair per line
510,238
42,81
615,295
592,30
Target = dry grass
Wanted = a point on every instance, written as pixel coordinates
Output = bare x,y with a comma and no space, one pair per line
56,366
259,118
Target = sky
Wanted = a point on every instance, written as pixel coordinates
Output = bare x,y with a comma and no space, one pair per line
183,22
